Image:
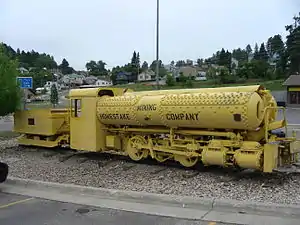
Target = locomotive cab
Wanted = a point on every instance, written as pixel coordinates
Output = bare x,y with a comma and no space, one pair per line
86,131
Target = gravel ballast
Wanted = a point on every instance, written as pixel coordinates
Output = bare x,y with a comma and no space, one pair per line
44,165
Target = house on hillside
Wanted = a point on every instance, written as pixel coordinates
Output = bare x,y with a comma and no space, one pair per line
72,80
89,80
201,75
188,71
125,78
103,83
293,90
23,70
146,76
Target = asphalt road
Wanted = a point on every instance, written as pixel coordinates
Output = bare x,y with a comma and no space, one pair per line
6,124
292,115
16,210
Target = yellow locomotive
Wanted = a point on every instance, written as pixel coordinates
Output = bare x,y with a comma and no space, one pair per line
229,127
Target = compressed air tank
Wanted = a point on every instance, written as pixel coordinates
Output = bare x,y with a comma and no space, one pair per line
215,110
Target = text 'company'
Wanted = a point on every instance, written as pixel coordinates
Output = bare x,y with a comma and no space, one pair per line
182,116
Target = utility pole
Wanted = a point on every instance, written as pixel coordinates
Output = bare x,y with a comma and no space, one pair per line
157,43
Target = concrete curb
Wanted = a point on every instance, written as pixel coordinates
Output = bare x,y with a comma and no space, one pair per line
154,199
114,194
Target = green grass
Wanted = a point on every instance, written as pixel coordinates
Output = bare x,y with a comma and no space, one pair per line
274,85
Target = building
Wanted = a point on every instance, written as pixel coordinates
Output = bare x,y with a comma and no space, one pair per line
72,80
146,76
103,83
90,80
201,75
293,91
23,70
125,78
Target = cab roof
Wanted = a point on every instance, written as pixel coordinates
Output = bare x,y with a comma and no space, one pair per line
95,92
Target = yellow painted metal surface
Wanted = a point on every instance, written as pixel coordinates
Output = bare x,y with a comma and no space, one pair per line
49,142
250,88
41,121
227,110
86,132
113,141
270,157
226,126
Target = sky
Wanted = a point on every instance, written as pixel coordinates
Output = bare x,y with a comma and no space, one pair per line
110,30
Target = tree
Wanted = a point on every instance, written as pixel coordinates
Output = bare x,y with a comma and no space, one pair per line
293,44
135,63
10,94
224,59
262,54
269,46
256,53
189,62
65,68
248,50
54,95
240,55
180,63
200,62
162,69
277,45
96,68
170,81
145,66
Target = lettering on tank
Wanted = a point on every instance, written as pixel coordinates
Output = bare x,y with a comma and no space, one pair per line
182,116
147,107
112,116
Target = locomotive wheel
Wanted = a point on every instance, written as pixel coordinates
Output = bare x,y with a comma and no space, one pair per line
161,157
133,149
186,161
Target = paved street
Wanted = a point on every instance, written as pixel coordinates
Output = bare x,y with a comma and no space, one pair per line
6,123
16,210
292,115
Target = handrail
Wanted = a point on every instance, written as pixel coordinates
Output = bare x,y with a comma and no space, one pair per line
266,119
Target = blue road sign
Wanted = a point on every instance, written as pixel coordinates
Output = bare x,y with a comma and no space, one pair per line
25,82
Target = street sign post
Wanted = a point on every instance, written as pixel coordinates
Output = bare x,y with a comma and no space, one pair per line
25,83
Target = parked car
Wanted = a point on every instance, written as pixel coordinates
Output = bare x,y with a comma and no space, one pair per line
3,172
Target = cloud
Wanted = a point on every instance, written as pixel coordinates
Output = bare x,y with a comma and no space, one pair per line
110,30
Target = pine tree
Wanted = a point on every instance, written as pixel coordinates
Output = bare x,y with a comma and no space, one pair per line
263,55
54,95
256,53
293,44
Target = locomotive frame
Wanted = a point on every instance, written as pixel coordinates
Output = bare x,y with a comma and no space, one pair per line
85,126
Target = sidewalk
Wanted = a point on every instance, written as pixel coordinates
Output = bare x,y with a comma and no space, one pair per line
226,211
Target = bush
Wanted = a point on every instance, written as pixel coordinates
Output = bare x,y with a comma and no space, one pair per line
10,94
54,95
170,80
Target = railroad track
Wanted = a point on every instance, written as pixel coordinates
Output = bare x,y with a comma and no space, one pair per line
125,164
